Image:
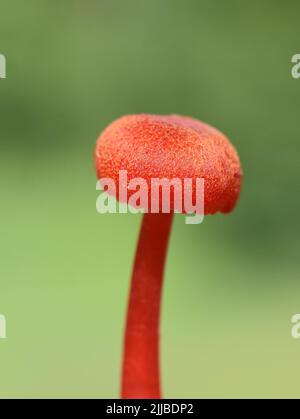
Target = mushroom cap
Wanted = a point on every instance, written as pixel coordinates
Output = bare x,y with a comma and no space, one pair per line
154,146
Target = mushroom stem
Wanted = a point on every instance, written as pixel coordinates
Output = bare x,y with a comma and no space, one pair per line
141,376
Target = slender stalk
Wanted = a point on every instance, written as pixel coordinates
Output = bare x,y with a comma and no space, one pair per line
141,375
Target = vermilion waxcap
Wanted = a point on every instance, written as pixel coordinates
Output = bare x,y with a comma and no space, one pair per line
154,146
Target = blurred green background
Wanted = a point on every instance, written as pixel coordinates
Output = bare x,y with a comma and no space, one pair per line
232,283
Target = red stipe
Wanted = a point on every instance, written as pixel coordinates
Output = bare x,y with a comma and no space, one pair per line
141,369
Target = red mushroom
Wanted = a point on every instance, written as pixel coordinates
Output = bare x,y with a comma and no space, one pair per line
153,146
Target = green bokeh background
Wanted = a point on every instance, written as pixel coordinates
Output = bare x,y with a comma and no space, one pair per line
232,283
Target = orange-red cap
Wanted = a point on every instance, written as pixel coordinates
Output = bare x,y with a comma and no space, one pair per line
154,146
